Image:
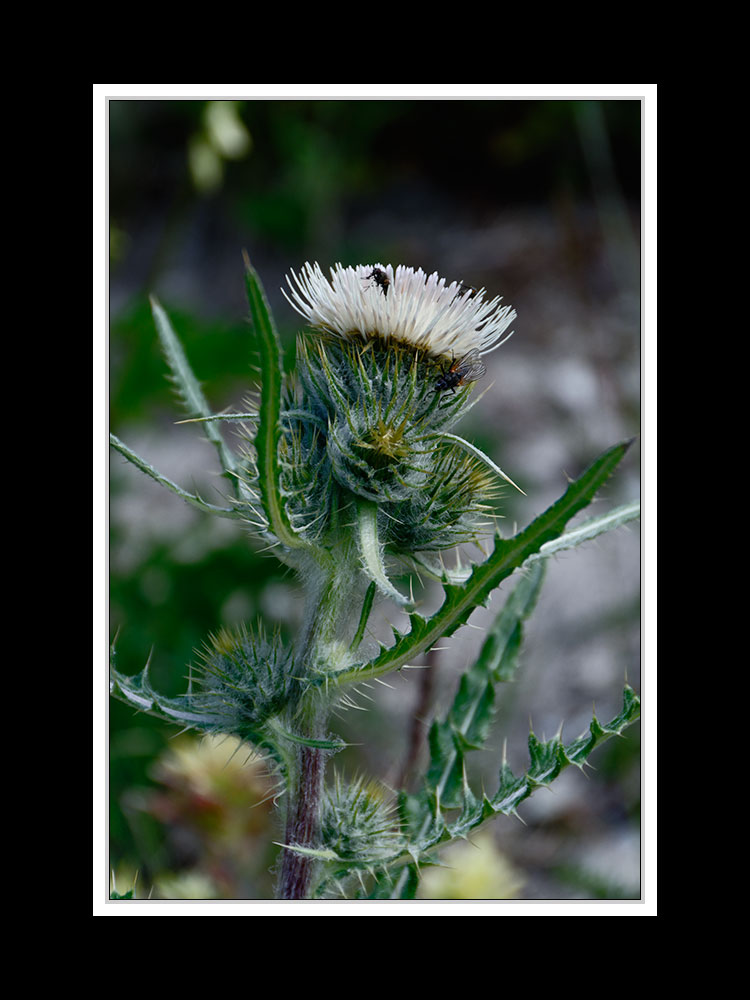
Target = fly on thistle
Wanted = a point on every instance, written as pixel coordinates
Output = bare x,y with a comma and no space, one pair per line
380,278
468,290
461,371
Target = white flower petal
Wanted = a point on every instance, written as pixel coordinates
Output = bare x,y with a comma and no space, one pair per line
414,307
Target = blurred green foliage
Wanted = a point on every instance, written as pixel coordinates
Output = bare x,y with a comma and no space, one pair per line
305,161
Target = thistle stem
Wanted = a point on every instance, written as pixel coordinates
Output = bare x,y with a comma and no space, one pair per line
302,824
329,601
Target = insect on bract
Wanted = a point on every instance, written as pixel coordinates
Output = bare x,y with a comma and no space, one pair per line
461,371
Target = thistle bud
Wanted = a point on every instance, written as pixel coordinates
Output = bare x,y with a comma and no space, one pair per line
358,823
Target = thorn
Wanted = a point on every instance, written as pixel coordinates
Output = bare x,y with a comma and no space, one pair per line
271,795
232,755
174,736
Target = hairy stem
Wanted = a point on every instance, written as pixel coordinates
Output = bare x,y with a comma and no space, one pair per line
331,590
302,823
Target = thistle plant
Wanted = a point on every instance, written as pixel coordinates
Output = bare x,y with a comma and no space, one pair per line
350,472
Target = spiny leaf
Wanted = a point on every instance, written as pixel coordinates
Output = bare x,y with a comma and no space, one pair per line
401,885
188,386
421,814
137,690
498,657
587,530
549,758
207,709
509,554
468,721
194,501
577,751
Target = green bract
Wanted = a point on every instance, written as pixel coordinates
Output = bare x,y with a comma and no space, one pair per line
350,466
362,421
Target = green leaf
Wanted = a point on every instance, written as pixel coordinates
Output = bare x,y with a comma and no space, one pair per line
584,532
509,554
188,386
549,758
269,426
467,723
498,657
201,710
371,552
182,710
364,616
402,885
421,816
149,470
318,853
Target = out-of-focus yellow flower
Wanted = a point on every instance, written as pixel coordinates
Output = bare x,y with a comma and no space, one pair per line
212,763
476,870
186,885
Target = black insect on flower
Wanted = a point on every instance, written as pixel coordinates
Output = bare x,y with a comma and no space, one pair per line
464,292
470,368
380,278
427,313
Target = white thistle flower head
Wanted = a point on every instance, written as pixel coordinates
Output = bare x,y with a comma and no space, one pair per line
407,305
